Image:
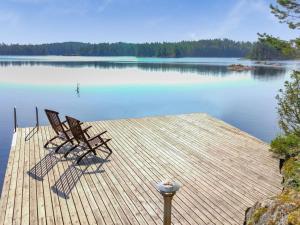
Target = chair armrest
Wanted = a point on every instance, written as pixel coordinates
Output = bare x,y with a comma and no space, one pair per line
97,136
103,143
85,129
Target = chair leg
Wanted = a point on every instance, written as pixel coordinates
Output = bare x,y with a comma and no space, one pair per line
57,149
106,145
71,149
83,155
48,142
94,150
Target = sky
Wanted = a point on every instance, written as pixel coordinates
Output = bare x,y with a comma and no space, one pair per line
47,21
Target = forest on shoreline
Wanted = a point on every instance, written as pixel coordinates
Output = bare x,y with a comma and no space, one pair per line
202,48
266,48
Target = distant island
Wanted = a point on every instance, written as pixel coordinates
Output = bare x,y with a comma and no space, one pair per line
201,48
240,67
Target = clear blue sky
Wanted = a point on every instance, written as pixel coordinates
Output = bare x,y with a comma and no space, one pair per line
44,21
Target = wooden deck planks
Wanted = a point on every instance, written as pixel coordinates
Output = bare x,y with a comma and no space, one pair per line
160,167
222,171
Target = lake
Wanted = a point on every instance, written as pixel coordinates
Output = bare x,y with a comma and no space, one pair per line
101,88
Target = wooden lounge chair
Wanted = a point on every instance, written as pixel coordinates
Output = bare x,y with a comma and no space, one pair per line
62,131
84,141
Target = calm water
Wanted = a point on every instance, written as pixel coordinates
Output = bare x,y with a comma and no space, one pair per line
123,87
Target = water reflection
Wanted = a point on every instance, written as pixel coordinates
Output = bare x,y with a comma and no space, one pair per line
78,90
98,90
260,72
268,73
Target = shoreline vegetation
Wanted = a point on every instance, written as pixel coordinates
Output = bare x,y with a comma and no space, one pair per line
261,50
285,207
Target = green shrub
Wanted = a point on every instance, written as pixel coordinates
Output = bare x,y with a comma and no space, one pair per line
286,146
289,105
291,173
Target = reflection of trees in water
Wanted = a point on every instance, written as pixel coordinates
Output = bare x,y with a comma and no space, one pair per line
268,73
262,73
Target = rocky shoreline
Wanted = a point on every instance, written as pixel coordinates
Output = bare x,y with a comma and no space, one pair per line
283,209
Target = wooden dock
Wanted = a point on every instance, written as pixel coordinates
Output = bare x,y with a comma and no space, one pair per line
222,170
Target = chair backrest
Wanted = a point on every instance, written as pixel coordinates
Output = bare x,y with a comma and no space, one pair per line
76,130
55,121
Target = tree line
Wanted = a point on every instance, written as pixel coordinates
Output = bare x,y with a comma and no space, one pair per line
266,48
201,48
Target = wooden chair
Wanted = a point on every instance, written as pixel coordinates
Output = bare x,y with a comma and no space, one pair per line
84,141
62,131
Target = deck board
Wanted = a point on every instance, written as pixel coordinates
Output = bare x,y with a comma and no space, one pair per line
222,170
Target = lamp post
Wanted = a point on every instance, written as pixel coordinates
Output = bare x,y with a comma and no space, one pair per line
167,189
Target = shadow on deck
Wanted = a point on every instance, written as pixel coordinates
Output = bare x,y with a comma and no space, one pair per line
222,170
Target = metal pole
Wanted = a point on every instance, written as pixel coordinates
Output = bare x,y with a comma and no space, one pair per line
168,207
37,117
15,119
167,189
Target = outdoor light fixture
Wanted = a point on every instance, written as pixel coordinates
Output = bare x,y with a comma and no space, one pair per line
167,189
